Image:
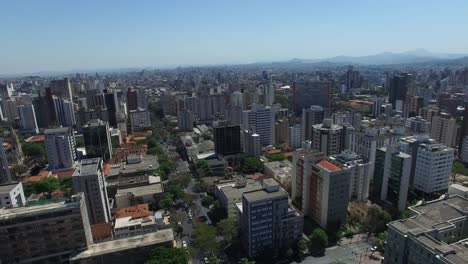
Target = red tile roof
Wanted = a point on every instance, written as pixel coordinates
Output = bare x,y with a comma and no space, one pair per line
135,212
101,231
329,166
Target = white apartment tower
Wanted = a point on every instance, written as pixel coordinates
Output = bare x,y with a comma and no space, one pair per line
262,121
60,147
89,179
433,168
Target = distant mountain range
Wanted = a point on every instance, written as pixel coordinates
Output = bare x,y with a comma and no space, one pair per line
388,58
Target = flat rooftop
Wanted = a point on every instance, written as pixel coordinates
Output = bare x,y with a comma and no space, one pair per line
262,194
433,215
42,207
57,130
6,188
124,244
231,191
142,190
87,167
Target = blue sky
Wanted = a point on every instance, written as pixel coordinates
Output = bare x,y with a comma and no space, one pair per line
66,35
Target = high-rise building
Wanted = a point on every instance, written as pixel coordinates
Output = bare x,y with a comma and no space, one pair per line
251,143
295,136
227,139
132,99
328,138
97,139
307,93
89,179
328,193
433,168
234,115
444,129
268,222
5,174
27,117
62,88
435,233
262,121
392,176
185,120
6,90
377,106
112,105
353,79
399,87
414,104
311,116
282,131
139,119
9,109
417,125
303,159
60,147
360,171
65,112
49,232
268,91
237,99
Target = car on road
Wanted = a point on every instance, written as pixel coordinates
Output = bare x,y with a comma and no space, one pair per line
206,260
184,244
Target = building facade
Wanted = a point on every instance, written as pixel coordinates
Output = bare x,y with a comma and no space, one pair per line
61,148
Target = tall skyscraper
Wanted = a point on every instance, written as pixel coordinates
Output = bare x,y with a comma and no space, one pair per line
139,119
353,79
311,116
360,171
60,147
65,112
62,88
97,139
377,106
251,143
268,222
444,129
392,176
399,86
307,93
132,99
295,136
185,120
262,121
328,138
282,131
9,109
227,139
5,174
112,104
27,118
6,90
89,179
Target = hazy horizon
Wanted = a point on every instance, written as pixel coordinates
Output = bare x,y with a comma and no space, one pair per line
48,36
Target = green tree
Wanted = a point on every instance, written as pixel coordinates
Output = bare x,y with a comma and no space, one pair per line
302,247
289,253
377,220
207,200
318,240
276,157
228,229
245,261
204,239
18,170
35,151
166,202
168,255
250,165
214,260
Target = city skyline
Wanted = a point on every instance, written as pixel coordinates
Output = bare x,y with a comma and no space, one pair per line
52,36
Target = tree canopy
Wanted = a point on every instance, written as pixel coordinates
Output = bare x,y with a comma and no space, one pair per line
204,239
319,240
228,229
168,255
250,165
